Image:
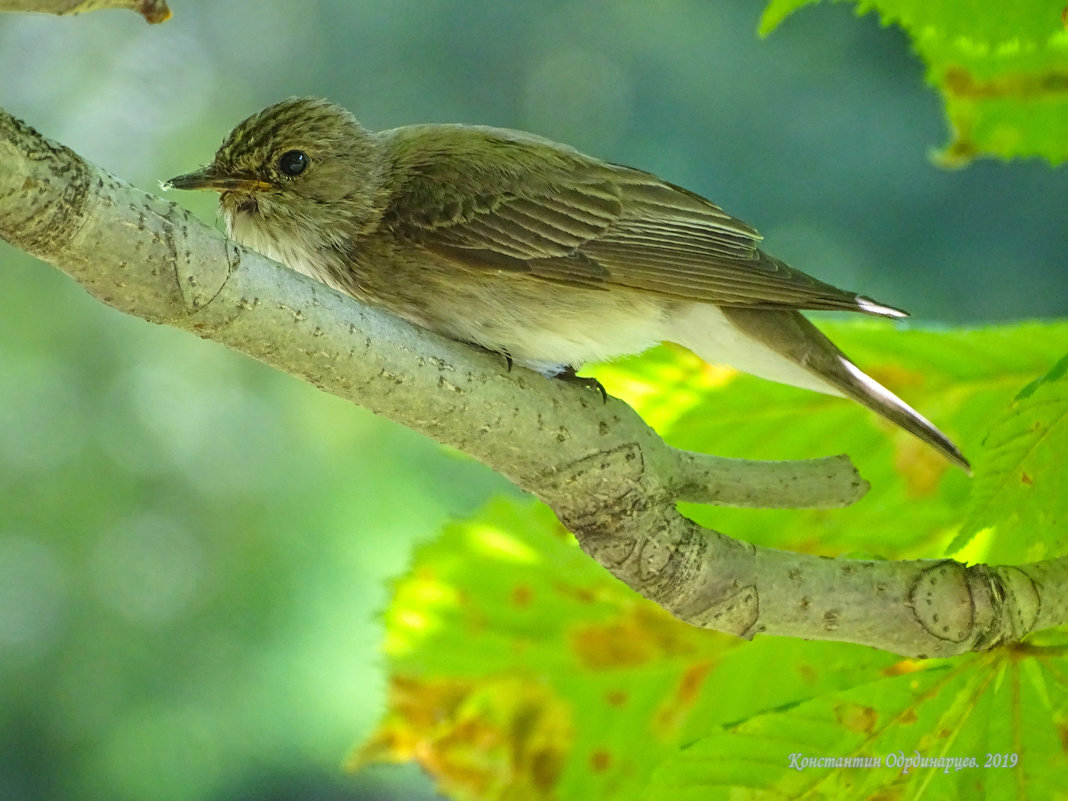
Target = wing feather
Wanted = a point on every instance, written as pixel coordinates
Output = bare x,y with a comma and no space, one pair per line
526,205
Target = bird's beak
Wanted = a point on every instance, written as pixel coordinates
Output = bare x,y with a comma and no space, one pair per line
212,178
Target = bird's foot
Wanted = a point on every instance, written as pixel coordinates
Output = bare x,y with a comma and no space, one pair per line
568,374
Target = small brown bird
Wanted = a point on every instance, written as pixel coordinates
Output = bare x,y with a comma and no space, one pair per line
529,248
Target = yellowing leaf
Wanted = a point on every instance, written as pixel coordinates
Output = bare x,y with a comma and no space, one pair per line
520,669
551,679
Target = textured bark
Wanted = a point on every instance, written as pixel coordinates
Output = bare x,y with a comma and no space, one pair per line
610,479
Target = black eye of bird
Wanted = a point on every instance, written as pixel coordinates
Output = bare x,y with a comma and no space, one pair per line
293,162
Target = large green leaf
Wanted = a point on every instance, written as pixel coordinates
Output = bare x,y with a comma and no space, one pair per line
1002,70
962,379
978,728
1021,486
520,670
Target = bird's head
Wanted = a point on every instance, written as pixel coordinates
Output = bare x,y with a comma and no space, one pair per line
301,168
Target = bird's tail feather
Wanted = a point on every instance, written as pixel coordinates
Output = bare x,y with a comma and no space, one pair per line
795,352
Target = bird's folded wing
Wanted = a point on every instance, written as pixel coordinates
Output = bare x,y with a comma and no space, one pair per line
557,215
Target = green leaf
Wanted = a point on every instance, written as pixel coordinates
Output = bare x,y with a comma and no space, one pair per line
1021,487
961,379
777,11
1002,70
520,669
1029,22
981,727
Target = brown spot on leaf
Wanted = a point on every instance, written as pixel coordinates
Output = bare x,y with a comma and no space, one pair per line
1015,85
692,679
673,712
856,717
479,738
522,595
1026,479
919,464
640,635
600,761
902,668
580,594
808,674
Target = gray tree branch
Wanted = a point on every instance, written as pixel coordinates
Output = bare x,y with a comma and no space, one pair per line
610,479
152,10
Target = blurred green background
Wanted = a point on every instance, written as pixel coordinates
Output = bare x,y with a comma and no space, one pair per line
194,550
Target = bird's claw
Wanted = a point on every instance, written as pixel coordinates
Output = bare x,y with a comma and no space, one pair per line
568,374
